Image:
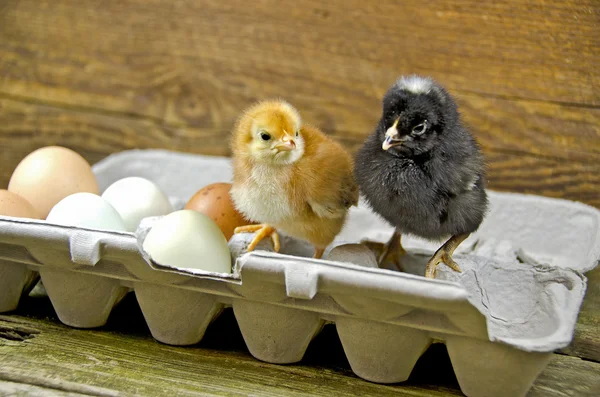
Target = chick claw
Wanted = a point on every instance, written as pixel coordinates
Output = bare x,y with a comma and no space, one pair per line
440,257
444,255
388,252
262,231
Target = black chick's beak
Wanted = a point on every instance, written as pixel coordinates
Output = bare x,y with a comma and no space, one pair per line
392,137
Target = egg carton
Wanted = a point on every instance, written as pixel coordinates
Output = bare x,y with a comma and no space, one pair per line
515,302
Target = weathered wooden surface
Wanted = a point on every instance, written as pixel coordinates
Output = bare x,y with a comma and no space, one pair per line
146,56
156,73
25,126
14,389
122,359
586,342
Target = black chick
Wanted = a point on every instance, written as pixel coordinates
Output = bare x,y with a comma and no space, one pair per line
422,171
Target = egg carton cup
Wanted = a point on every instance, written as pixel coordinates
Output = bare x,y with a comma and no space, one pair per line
515,302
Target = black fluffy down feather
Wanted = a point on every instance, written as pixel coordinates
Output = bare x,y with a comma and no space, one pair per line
433,185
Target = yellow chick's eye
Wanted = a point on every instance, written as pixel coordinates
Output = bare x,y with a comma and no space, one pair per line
264,136
297,132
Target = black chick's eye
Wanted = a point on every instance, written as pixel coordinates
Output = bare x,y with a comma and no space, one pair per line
264,136
420,129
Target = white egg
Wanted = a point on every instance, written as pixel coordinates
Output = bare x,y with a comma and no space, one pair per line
137,198
188,239
86,210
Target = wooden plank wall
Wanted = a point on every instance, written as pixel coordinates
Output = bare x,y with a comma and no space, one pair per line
101,77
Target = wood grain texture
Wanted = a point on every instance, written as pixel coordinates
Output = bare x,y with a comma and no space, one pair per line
14,389
177,74
26,126
586,342
141,54
122,359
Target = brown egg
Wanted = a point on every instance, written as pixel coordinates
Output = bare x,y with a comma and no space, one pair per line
14,205
215,202
50,174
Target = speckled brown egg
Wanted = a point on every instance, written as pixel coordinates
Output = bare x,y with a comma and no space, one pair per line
50,174
12,204
215,202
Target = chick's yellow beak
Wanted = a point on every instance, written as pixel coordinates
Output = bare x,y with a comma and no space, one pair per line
391,136
287,144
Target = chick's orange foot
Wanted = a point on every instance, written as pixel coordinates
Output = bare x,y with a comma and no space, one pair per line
444,255
262,231
318,252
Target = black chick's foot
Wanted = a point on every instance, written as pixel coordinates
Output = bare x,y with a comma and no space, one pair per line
388,253
444,255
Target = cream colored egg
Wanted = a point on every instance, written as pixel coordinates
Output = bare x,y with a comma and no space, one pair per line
187,239
12,204
47,175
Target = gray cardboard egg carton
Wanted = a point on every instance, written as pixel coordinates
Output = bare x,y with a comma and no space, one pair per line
515,302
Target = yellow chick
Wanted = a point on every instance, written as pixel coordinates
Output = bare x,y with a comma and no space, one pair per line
289,176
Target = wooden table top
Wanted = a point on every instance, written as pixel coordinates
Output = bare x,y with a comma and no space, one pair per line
38,354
